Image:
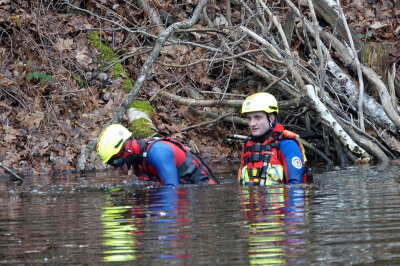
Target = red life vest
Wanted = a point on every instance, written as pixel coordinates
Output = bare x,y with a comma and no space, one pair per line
264,166
191,169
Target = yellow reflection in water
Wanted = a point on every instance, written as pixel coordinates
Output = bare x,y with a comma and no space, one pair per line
117,234
268,211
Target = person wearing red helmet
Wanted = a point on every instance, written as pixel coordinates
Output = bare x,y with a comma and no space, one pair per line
164,160
271,155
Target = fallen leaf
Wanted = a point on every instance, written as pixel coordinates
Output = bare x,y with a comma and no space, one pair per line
6,81
83,58
9,138
5,110
11,130
362,161
79,23
392,141
378,25
11,134
31,121
193,146
63,44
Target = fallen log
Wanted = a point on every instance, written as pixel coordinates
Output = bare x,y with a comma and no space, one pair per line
332,123
370,75
284,105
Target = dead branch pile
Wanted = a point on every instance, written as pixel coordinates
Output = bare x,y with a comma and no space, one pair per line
283,49
195,61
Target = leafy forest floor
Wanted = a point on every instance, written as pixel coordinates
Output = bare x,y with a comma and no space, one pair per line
53,100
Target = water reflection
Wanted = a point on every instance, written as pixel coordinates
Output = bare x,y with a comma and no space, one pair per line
152,212
118,240
347,217
274,215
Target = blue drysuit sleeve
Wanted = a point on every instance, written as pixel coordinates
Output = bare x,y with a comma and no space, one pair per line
161,157
294,160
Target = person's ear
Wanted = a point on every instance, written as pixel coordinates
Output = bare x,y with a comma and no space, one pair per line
272,117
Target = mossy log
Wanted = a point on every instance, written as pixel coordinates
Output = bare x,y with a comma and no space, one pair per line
139,112
110,57
162,37
141,125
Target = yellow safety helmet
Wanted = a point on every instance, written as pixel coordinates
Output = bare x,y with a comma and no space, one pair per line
261,101
110,141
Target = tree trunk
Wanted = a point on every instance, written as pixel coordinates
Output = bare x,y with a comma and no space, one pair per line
376,56
331,16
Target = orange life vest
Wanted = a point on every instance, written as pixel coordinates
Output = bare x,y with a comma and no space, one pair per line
263,161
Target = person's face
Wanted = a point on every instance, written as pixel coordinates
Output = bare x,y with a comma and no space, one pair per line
258,123
119,163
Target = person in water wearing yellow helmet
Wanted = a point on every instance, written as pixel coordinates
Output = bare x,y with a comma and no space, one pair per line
271,155
165,160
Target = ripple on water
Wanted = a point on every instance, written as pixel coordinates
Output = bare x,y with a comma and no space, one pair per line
348,216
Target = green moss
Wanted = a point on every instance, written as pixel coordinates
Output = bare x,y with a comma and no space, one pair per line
143,106
127,84
109,56
141,128
78,80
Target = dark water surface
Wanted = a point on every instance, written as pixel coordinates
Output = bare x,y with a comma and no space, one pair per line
347,217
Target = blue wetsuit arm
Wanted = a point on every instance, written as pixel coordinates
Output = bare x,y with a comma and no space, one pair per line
161,157
293,161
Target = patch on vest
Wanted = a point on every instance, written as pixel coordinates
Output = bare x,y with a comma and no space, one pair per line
296,162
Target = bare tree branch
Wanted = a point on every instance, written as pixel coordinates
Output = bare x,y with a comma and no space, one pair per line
11,172
358,67
141,78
